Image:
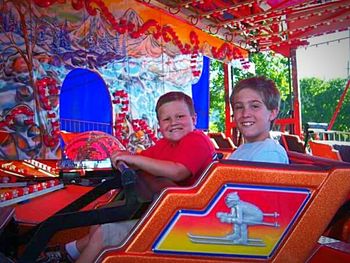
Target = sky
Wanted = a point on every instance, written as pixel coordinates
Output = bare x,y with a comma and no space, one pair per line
325,60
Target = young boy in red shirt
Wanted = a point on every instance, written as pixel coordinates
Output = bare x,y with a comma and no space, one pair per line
181,156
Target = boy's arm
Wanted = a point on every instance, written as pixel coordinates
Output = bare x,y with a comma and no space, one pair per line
194,152
172,170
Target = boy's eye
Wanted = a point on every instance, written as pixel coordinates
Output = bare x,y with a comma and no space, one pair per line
238,107
176,117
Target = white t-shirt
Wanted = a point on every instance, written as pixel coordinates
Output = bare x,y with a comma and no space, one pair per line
269,151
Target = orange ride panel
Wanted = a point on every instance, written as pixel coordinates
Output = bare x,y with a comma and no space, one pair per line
240,212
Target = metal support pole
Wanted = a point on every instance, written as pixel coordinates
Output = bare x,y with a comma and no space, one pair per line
340,103
296,95
227,86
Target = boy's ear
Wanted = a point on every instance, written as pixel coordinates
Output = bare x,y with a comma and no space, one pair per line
194,119
274,114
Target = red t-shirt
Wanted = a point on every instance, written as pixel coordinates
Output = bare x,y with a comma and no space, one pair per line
195,151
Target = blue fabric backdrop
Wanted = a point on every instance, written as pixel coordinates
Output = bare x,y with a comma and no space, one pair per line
93,111
200,96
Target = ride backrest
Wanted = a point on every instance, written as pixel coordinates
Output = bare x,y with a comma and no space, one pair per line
324,150
292,142
222,141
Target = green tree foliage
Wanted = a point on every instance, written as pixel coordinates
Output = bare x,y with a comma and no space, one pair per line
319,100
275,67
217,97
266,64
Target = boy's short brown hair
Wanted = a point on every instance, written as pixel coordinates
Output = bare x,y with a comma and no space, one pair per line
175,96
264,86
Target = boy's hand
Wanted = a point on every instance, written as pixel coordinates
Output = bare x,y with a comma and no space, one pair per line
124,156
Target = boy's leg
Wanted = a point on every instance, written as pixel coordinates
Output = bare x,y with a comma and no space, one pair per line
79,245
67,253
93,246
111,234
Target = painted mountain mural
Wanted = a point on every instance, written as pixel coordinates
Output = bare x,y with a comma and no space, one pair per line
59,40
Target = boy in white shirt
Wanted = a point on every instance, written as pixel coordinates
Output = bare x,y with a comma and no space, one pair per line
255,102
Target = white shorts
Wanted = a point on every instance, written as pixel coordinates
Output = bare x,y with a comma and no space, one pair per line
115,233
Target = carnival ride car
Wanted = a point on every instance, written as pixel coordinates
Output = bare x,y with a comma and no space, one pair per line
285,209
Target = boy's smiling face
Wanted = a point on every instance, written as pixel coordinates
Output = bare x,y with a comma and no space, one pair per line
251,115
175,120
